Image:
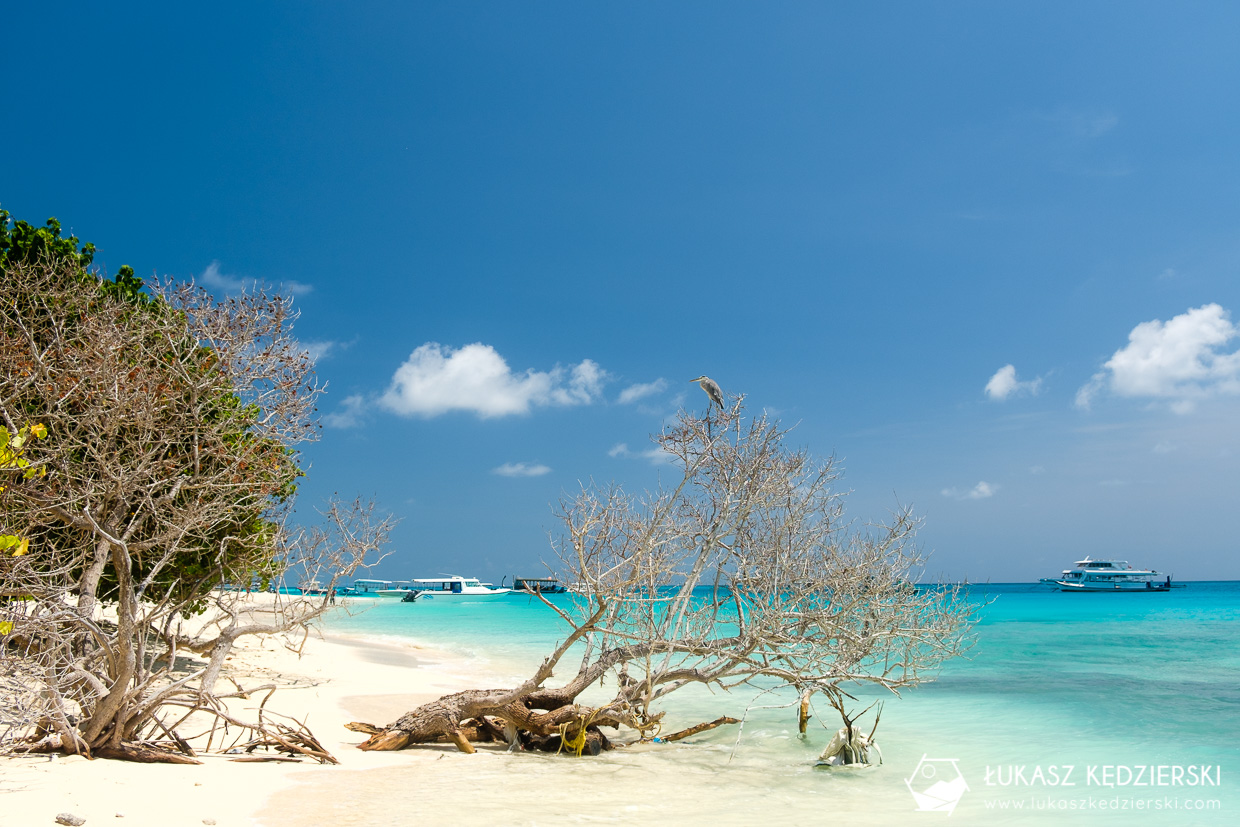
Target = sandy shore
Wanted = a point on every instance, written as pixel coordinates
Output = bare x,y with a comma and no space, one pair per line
337,679
332,681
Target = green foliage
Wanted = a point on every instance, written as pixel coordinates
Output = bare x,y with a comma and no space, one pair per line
261,472
24,243
12,448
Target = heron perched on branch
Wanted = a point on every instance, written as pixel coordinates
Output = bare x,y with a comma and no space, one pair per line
712,390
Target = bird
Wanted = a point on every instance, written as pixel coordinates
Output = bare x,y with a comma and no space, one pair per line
712,390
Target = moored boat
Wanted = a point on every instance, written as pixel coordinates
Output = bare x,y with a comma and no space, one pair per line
537,585
455,587
381,588
1108,576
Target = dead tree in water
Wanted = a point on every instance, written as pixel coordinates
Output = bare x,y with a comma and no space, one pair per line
744,573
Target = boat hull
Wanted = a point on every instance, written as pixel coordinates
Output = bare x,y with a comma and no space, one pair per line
430,594
1111,588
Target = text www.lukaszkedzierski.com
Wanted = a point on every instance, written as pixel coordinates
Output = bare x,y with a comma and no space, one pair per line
1098,803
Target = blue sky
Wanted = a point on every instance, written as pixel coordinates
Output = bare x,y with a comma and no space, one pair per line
987,254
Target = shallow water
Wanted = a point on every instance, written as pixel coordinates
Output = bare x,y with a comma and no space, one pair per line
1087,681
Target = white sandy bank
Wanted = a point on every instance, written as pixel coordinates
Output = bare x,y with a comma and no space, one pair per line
333,681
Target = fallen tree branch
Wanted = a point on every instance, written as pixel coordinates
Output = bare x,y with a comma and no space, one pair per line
694,730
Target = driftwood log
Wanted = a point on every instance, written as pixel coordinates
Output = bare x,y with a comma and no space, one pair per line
492,715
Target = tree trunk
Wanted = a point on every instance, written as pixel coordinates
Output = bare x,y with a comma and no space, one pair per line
88,585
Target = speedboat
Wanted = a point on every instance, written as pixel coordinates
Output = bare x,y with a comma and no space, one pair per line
1108,576
454,587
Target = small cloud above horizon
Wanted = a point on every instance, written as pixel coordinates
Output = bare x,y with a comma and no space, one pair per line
981,491
231,285
640,391
349,414
656,455
1004,384
521,469
319,350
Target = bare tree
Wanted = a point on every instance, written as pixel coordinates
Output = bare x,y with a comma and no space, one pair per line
743,574
169,468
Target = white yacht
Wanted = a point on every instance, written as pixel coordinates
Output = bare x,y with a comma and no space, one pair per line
1108,576
454,587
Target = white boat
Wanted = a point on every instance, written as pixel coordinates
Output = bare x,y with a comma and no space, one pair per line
1108,576
381,588
454,587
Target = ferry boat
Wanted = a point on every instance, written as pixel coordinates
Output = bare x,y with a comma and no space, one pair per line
381,588
450,586
1108,576
455,587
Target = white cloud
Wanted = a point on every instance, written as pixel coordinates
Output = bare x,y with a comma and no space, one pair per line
319,350
213,278
978,492
640,391
296,288
349,415
585,384
520,469
656,455
1179,361
1004,384
436,379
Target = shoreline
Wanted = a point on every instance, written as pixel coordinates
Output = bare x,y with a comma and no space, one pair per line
719,777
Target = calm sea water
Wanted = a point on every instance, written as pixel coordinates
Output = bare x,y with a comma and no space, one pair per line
1113,686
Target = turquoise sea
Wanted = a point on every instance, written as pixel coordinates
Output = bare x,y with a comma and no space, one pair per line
1071,708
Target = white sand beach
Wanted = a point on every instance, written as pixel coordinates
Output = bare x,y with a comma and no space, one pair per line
331,682
338,679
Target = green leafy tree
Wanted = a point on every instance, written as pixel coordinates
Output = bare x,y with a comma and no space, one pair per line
176,421
25,248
